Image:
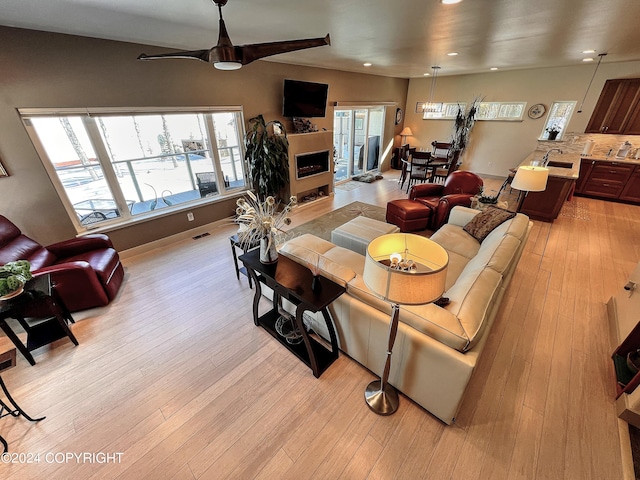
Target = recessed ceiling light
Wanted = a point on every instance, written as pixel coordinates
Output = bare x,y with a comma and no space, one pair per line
452,54
493,68
587,59
367,64
588,51
449,2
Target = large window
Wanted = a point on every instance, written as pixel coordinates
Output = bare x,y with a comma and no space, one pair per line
114,167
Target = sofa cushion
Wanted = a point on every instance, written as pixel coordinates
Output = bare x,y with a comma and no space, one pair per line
460,246
483,224
429,319
23,248
336,263
472,298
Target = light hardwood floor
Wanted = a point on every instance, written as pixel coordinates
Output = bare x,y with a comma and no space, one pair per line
175,376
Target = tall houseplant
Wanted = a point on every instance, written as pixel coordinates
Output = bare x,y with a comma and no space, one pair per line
464,122
267,151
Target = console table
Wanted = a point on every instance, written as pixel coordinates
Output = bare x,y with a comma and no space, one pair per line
40,312
292,281
8,360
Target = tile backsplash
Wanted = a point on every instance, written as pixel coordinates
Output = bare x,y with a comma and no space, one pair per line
573,142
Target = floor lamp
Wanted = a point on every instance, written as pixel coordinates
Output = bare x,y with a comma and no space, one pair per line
529,179
402,269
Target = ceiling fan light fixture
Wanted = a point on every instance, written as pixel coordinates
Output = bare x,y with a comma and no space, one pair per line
225,56
228,65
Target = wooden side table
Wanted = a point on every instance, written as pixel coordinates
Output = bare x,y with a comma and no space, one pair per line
292,281
40,312
8,360
235,243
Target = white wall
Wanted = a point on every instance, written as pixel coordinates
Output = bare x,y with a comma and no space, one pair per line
497,146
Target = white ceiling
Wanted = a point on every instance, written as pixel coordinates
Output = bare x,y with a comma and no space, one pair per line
401,38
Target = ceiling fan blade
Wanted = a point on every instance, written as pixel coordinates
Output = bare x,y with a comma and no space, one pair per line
260,50
197,54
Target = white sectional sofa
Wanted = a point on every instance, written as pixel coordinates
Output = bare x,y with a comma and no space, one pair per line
437,348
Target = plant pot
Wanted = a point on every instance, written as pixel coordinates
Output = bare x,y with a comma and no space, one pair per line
553,135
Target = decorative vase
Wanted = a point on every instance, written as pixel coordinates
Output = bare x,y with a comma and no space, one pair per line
268,252
553,135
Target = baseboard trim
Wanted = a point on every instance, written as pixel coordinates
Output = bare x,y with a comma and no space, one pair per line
163,242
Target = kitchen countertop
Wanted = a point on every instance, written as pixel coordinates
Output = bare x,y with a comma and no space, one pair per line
571,173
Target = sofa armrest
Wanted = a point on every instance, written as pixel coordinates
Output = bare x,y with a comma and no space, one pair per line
460,215
425,190
74,246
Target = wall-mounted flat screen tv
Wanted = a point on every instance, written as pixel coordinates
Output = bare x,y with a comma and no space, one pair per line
304,99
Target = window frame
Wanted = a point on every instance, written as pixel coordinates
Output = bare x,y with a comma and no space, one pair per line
550,120
126,218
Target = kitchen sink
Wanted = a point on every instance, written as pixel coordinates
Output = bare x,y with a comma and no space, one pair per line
554,163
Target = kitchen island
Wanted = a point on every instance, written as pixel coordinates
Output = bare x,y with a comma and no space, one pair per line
564,171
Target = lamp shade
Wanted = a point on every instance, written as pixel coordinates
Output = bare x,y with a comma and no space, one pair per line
424,284
530,179
406,132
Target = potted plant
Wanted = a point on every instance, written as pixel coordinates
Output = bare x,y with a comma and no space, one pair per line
13,276
553,131
267,152
463,124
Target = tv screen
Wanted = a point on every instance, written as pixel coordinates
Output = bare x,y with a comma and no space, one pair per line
304,99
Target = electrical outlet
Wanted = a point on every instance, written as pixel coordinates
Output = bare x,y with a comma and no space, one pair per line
489,164
190,216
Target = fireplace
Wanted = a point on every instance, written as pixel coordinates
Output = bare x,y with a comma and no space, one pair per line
314,163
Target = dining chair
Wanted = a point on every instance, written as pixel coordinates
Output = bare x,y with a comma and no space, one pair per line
406,165
420,168
441,153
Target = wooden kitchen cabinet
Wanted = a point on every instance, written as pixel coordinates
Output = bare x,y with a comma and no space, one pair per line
631,191
633,127
617,110
586,166
609,180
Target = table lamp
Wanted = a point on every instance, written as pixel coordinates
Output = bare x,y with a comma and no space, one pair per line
406,132
406,269
529,179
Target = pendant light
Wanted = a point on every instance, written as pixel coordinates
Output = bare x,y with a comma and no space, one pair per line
594,76
432,107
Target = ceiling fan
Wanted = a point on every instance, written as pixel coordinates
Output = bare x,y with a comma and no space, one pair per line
226,56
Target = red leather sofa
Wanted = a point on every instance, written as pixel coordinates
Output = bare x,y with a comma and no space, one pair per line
86,270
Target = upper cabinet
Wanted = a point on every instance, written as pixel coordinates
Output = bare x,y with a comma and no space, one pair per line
618,108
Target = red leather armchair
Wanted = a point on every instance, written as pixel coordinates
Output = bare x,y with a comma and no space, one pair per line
458,189
86,271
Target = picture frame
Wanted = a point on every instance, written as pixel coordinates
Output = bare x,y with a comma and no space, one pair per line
3,172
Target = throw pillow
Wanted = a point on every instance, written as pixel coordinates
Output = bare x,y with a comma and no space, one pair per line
484,222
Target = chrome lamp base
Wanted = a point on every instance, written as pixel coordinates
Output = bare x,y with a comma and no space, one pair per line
382,402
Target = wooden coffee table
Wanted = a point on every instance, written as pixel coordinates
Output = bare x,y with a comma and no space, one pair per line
292,281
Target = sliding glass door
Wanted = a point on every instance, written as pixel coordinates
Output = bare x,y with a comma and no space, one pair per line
357,137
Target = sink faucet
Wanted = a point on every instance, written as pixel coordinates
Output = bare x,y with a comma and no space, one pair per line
545,158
